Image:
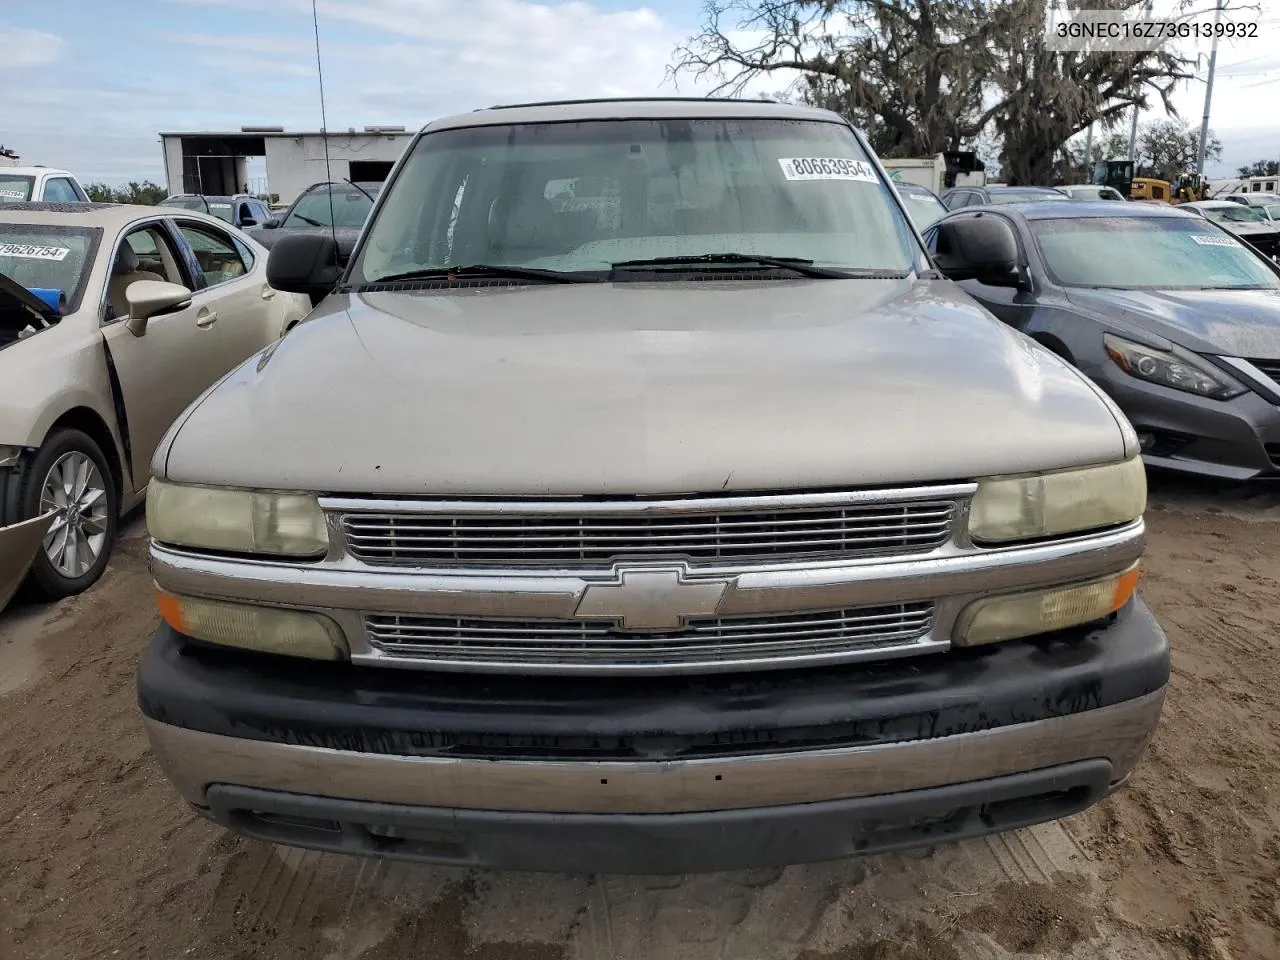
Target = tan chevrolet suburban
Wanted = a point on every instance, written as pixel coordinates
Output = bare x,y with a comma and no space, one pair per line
642,497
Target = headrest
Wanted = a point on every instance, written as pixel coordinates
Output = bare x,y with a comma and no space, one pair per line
126,260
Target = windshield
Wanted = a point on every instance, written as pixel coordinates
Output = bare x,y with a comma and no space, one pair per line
1235,213
350,208
1140,253
186,203
923,208
582,196
1273,210
1014,195
15,189
42,257
221,209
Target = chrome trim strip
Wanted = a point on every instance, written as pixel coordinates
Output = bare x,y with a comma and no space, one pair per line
659,505
345,585
193,760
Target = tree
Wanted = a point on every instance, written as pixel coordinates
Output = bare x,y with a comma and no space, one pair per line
146,193
1261,168
1167,149
100,192
922,76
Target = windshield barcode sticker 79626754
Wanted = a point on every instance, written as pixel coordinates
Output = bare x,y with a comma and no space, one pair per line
827,168
31,251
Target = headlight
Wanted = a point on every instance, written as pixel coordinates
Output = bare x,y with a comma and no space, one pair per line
1178,369
1049,504
236,521
254,628
994,619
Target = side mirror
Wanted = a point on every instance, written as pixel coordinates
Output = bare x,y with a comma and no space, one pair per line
979,248
149,297
248,222
305,262
272,223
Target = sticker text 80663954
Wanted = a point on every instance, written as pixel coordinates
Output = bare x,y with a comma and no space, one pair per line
827,168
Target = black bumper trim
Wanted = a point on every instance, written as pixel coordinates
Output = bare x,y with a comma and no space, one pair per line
410,713
663,843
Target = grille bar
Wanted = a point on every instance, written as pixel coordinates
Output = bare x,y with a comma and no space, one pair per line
705,642
597,538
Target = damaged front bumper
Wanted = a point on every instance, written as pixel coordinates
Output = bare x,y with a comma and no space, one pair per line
18,545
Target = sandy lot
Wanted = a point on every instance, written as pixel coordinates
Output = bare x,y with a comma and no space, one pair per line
99,859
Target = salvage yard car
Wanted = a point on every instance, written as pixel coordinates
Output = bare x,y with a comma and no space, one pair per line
112,320
1177,320
703,526
1251,224
338,208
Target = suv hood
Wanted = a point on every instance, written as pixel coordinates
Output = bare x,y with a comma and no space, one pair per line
1232,323
643,388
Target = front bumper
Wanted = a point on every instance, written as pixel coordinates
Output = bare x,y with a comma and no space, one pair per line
1236,439
19,544
672,774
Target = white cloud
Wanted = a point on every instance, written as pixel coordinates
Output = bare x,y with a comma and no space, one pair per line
27,48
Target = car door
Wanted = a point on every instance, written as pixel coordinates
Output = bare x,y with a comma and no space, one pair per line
161,372
233,289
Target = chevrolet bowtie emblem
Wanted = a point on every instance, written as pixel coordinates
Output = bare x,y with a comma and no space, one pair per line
651,599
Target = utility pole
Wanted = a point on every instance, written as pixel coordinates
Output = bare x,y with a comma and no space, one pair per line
1133,126
1208,93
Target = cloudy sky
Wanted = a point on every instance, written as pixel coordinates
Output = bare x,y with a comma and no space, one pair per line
87,84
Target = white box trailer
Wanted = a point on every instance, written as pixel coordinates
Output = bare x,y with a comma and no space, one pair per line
930,172
927,172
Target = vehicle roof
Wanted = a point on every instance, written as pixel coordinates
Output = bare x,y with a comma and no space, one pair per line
649,108
1086,209
212,196
1006,188
1212,204
370,185
35,171
109,216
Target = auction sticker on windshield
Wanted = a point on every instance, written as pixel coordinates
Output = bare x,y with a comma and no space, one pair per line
827,168
13,194
1205,240
29,251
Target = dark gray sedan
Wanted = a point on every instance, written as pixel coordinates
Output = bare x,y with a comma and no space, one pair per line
1172,316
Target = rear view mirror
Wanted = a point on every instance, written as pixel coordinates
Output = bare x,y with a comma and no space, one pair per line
150,297
305,263
979,248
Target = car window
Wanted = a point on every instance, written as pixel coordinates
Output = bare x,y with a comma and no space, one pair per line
14,188
222,209
187,203
1148,253
246,255
957,199
144,254
59,190
217,255
47,257
1273,210
260,212
581,196
922,207
350,208
1014,195
1235,214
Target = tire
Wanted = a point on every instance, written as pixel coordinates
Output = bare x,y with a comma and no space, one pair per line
92,527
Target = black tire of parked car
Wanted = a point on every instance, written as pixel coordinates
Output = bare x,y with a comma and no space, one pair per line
45,582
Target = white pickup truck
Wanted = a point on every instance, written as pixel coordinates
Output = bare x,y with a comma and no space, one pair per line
43,184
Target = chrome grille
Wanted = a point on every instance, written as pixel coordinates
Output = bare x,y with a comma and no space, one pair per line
710,642
1270,367
598,537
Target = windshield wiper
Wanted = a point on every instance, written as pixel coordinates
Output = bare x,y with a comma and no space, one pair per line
484,270
314,223
799,265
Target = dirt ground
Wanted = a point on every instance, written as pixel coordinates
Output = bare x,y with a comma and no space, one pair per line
99,859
